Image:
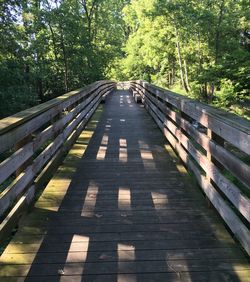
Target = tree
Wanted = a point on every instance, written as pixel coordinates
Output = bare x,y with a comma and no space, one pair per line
196,44
50,47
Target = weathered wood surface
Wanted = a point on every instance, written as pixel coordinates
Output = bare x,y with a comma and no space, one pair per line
35,140
202,150
234,130
121,208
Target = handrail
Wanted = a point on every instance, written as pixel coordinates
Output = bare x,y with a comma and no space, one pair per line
34,141
211,143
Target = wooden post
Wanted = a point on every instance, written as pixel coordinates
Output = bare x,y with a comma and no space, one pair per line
19,145
220,141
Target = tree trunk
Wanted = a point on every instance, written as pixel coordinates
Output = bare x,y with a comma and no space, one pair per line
53,41
218,32
173,73
210,93
186,75
65,61
169,79
39,87
199,53
180,60
89,11
180,63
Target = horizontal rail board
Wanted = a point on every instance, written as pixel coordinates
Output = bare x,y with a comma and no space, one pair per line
237,227
11,193
13,216
10,133
9,123
41,135
233,164
10,165
234,132
173,113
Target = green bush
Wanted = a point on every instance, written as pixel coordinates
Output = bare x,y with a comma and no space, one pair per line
227,94
16,99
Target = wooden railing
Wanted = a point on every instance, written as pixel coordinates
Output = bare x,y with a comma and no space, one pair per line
34,141
214,145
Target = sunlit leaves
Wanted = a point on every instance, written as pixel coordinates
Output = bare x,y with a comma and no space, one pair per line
214,41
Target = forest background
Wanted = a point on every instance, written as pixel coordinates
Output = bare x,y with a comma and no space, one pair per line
199,48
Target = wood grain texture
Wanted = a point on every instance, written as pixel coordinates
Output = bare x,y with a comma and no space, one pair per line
237,167
118,209
37,155
228,126
240,230
240,201
17,127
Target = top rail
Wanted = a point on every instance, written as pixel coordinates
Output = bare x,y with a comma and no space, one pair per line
33,141
9,136
215,147
232,128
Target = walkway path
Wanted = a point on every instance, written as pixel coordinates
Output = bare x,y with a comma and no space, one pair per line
130,213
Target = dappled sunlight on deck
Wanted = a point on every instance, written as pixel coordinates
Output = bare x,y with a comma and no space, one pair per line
122,208
76,257
123,151
160,200
124,198
90,201
101,153
126,254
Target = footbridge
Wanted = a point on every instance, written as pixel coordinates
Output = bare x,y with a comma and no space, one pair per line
124,182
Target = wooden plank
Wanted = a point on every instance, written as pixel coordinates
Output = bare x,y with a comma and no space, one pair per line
237,227
233,164
68,130
198,227
14,215
51,130
152,255
33,123
15,189
17,128
203,276
47,154
49,133
163,266
19,118
227,214
212,118
11,164
237,133
51,149
57,246
47,172
19,145
240,231
73,156
241,202
116,217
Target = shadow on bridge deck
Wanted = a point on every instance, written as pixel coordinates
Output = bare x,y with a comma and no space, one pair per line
121,208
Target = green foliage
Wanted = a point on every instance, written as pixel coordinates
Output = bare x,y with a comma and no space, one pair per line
199,47
226,95
50,47
16,99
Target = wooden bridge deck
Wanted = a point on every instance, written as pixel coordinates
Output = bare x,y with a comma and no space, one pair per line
121,208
